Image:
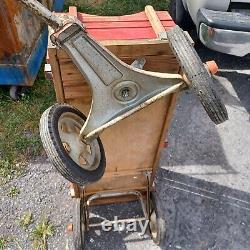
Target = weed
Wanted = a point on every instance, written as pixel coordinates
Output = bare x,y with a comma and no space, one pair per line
19,127
3,242
14,191
26,219
41,232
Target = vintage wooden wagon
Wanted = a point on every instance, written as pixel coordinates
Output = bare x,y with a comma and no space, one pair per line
133,145
110,146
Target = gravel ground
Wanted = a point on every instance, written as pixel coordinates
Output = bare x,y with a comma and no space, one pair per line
203,182
43,192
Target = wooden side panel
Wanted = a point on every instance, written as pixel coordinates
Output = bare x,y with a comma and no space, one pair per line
157,54
135,48
132,182
56,73
129,27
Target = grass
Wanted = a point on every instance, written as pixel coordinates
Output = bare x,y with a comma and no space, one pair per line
3,243
116,7
14,191
41,232
19,121
19,126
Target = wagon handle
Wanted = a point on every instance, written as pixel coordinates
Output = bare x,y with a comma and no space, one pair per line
38,9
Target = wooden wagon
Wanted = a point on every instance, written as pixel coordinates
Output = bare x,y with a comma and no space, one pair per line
133,145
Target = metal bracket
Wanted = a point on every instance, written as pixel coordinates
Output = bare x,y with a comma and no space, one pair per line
101,195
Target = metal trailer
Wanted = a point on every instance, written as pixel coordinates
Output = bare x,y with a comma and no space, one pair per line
123,97
23,44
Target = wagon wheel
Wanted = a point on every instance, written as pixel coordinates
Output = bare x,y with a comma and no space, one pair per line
78,162
79,225
16,92
157,223
200,82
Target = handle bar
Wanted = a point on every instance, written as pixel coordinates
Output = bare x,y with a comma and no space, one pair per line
38,9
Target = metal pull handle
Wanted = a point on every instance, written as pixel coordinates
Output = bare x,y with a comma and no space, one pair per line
38,9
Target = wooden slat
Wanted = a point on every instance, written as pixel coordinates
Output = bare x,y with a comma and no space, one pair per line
164,132
77,92
125,25
135,182
56,75
154,20
73,11
71,74
136,48
118,34
138,17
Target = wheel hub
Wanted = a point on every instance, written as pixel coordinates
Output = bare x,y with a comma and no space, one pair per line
87,156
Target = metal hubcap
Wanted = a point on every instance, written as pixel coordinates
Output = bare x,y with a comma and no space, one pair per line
87,156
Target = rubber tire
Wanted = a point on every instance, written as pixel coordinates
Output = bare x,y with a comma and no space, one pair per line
200,80
161,223
79,225
180,16
56,153
16,92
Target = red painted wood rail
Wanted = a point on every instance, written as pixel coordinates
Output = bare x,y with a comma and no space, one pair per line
128,27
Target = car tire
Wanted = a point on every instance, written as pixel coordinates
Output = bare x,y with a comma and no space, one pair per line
180,16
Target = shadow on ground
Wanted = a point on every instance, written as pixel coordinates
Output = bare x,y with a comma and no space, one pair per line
199,214
203,215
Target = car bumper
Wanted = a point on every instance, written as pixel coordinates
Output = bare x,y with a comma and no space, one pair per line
225,32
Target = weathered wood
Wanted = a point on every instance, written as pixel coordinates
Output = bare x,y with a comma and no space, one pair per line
135,48
56,73
154,20
164,133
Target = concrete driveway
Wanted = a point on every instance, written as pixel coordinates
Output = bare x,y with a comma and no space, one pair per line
203,181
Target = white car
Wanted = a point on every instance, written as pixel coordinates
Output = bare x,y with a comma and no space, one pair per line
222,25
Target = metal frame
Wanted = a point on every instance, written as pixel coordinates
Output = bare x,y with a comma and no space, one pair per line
145,204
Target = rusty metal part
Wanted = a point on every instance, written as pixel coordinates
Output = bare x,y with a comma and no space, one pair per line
70,228
49,17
